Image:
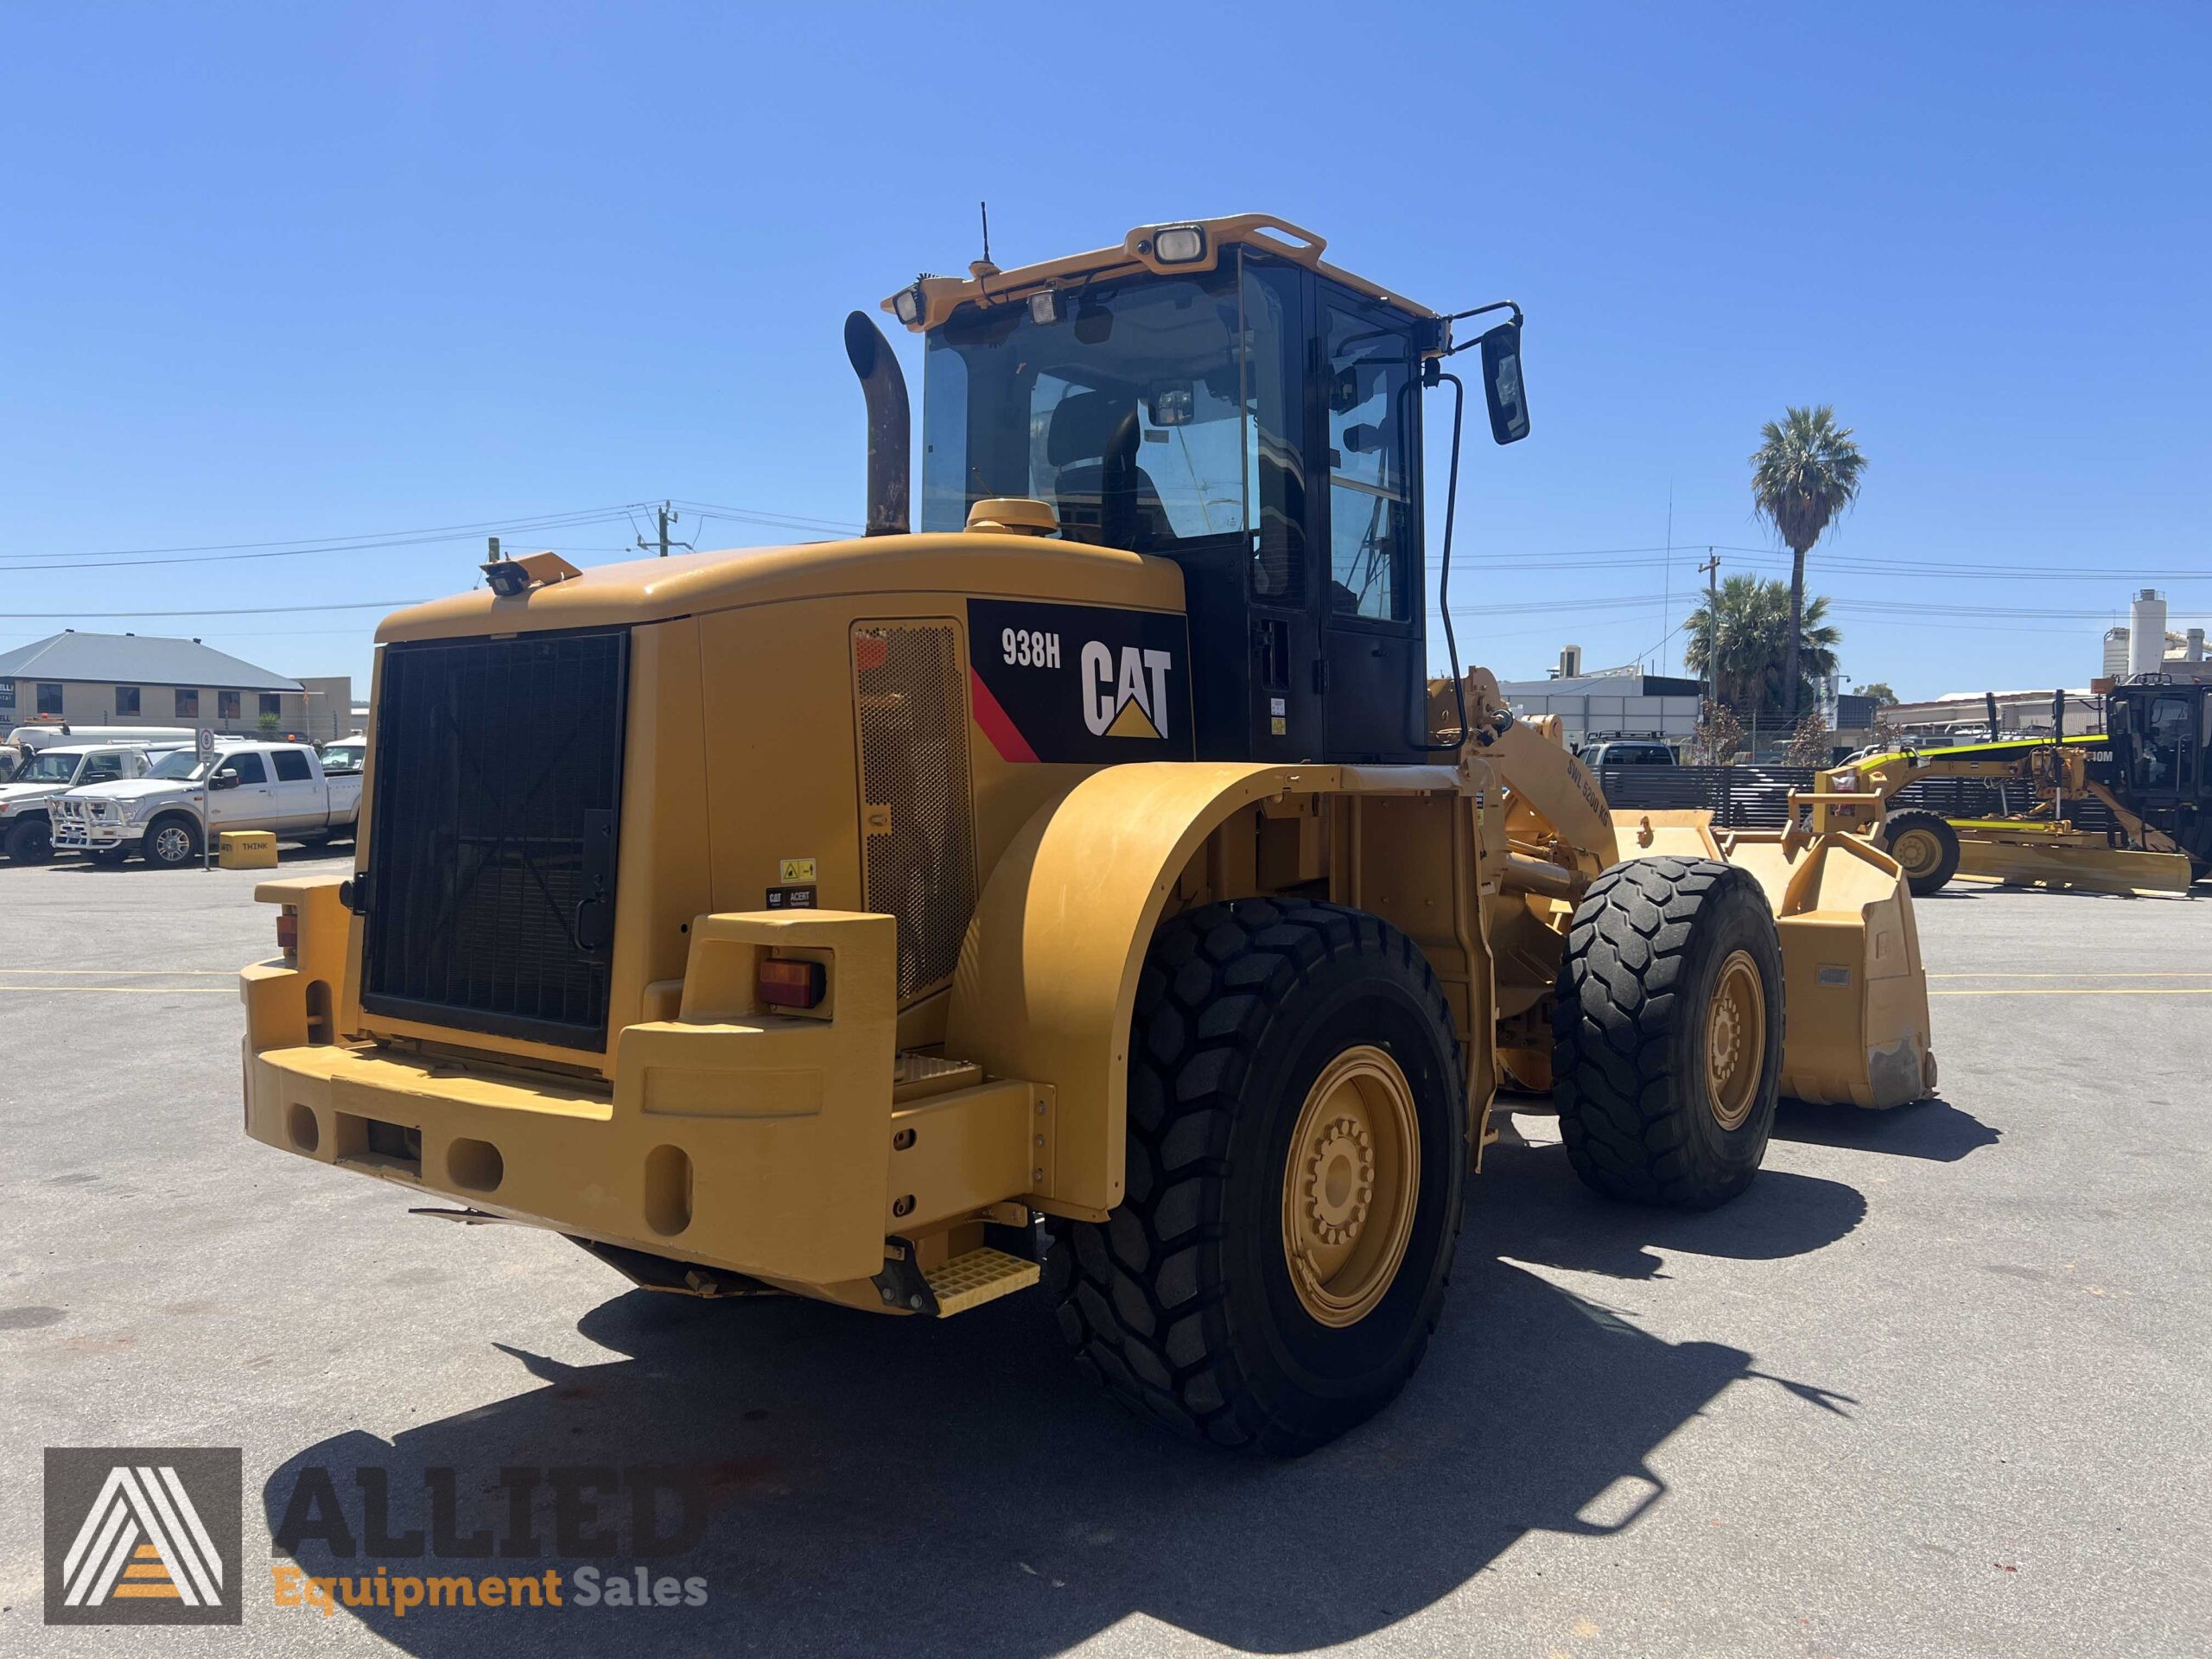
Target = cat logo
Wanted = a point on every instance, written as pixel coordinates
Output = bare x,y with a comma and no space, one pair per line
1126,697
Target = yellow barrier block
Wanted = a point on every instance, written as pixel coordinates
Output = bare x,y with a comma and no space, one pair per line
247,849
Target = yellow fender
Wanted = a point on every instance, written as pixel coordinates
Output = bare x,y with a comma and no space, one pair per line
1047,980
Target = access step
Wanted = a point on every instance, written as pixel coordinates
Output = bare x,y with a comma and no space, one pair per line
979,1276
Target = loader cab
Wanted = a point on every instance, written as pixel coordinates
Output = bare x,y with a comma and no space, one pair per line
1258,422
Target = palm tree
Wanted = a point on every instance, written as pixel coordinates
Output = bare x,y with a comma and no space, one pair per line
1805,471
1750,667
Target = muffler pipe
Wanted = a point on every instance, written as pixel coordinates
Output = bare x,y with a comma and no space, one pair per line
890,427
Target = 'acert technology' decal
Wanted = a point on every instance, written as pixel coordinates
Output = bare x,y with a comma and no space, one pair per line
1079,682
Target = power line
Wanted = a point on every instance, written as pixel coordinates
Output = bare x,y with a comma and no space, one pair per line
374,538
235,610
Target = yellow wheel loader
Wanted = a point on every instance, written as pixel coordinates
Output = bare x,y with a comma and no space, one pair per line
1075,881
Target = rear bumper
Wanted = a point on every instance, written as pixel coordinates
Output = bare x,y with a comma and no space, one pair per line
728,1137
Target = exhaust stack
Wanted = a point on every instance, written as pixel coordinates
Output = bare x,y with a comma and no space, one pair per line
890,432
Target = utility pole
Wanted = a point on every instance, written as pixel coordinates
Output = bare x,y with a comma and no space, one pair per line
666,517
1711,569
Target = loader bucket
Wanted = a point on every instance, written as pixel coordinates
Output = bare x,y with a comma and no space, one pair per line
1855,991
1856,1028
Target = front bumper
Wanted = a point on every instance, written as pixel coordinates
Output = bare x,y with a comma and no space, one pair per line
79,835
89,826
730,1137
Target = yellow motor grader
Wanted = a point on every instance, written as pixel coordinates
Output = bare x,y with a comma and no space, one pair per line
1076,881
2040,846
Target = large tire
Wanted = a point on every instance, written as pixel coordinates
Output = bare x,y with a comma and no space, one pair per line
1265,1028
171,842
30,840
1668,1030
1923,842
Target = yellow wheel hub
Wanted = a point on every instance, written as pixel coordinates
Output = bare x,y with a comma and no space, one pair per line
1735,1041
1350,1186
1918,851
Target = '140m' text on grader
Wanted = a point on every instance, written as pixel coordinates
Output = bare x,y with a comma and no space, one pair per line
1085,887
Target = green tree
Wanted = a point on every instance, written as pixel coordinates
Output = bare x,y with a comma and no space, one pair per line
1805,471
1879,690
1748,657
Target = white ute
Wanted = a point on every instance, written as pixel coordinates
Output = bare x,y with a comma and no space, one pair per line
276,786
25,829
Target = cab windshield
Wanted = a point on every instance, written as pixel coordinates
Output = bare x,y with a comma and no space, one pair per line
1150,412
177,765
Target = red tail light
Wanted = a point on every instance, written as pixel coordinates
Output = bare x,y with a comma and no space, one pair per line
786,983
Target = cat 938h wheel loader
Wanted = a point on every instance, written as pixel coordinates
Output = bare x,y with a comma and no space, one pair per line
1075,881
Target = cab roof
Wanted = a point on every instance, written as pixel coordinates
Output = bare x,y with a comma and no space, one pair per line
937,297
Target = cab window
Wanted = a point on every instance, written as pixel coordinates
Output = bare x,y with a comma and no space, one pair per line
2167,747
291,766
1369,390
247,768
101,769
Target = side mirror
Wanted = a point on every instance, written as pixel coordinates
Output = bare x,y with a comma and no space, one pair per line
225,780
1502,385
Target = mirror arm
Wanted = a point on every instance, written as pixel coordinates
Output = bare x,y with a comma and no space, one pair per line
1461,316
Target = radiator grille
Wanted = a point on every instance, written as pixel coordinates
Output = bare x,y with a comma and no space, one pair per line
490,882
916,816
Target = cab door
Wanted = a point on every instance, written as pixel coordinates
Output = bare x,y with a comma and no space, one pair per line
296,799
1288,673
2167,747
248,803
1369,417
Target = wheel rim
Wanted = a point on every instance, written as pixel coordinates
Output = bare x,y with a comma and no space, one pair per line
1350,1186
171,844
1735,1041
1918,851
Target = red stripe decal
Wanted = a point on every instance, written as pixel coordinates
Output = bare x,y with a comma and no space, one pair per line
998,726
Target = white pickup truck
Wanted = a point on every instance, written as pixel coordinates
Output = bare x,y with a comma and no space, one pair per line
164,815
25,803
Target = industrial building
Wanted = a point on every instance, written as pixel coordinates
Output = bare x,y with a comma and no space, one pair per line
130,679
2146,646
1617,703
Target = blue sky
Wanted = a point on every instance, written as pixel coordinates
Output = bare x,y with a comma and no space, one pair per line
277,272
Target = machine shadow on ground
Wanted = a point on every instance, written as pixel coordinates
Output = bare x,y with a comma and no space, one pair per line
893,1486
1934,1129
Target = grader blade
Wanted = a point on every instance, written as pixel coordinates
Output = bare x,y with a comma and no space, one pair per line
2020,855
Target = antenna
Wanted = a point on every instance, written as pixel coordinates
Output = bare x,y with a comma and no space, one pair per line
986,206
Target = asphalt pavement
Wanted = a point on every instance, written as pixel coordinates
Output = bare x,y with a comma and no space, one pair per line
1937,1385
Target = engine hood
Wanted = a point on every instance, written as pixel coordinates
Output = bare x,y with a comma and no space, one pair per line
136,789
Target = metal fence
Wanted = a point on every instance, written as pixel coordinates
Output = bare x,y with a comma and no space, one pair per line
1758,797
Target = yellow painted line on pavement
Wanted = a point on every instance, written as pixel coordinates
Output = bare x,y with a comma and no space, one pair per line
2148,973
2087,990
130,990
150,973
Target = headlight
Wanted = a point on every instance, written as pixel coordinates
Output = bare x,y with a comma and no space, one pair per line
1180,245
134,810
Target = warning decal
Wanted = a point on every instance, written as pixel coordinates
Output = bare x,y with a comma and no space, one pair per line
1080,683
